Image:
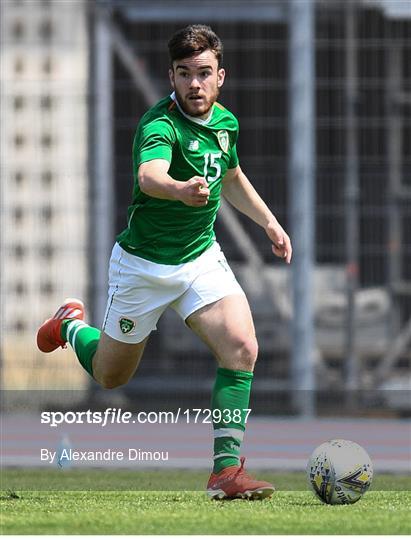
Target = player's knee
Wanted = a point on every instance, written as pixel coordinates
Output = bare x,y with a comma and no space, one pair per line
109,382
248,352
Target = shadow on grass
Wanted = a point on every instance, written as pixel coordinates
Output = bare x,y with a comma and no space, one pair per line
9,496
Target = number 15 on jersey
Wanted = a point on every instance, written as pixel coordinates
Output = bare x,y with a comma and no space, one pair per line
212,169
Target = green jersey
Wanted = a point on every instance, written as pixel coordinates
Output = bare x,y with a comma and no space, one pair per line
170,232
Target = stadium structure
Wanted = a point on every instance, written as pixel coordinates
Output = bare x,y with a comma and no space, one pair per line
322,91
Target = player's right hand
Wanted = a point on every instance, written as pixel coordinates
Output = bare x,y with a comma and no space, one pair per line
195,192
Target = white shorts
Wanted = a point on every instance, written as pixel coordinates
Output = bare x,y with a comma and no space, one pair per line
141,290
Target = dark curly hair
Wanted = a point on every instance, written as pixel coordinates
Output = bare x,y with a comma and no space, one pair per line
192,40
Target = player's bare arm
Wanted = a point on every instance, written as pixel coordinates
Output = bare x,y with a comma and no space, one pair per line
238,191
155,181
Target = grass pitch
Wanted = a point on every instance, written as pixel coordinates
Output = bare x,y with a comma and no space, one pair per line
58,502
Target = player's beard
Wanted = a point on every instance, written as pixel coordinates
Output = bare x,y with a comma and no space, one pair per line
192,109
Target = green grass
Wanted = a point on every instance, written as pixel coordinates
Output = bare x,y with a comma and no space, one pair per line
94,510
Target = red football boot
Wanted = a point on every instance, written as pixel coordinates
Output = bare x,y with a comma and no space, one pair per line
234,483
49,334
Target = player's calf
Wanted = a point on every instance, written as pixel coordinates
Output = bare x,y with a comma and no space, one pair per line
115,362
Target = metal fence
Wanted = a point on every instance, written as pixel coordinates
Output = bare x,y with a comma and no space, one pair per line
363,70
362,186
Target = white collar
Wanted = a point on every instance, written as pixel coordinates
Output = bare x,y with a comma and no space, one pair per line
201,121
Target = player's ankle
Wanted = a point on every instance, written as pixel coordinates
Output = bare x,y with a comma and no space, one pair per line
223,463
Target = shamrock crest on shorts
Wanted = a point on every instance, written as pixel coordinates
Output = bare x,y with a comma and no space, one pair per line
126,325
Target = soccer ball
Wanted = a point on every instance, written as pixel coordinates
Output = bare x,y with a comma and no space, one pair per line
339,472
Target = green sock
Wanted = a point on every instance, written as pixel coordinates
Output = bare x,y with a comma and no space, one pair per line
84,340
231,396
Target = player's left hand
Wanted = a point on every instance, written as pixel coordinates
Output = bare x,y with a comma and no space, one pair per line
281,241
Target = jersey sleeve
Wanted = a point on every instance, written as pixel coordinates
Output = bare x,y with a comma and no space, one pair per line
234,161
154,140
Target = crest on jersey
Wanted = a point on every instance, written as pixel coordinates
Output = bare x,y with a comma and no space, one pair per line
223,140
194,145
126,325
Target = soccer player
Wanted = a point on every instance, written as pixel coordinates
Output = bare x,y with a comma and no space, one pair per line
184,159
